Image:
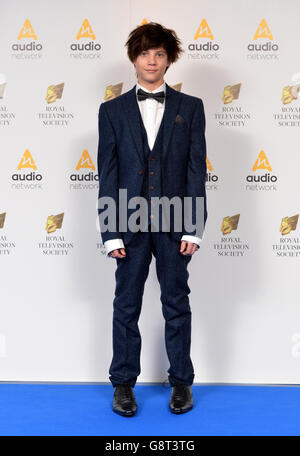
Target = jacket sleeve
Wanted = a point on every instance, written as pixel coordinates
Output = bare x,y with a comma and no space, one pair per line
196,174
107,162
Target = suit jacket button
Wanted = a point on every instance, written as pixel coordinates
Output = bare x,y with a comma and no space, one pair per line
151,173
151,158
151,187
141,172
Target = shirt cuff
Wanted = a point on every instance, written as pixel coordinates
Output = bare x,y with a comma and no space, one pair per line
113,244
194,239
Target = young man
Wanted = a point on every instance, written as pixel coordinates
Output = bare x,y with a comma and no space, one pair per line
152,143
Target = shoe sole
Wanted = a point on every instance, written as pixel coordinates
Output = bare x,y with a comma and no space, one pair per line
127,414
179,411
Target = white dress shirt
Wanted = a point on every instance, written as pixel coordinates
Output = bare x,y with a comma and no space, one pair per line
152,112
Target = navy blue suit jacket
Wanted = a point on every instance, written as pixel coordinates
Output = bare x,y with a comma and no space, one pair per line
121,156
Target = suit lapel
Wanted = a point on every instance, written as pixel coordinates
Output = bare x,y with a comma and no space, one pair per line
131,110
132,113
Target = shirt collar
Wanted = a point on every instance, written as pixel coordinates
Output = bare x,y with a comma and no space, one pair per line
159,89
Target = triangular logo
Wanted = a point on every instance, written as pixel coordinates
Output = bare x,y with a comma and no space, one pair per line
208,164
85,31
27,31
27,161
262,162
263,31
203,31
85,161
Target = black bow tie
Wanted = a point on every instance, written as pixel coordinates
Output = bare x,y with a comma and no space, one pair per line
142,95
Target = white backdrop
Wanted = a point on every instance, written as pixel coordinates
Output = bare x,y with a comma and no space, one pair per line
57,288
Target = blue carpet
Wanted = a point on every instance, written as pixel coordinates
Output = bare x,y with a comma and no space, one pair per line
86,409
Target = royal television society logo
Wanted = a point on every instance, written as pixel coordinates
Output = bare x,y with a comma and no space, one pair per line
263,46
27,178
2,219
113,91
289,114
27,46
232,113
6,116
6,245
230,245
212,179
177,86
55,244
87,176
85,46
262,178
288,245
204,46
55,114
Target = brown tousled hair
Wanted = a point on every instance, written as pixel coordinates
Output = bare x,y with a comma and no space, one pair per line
153,35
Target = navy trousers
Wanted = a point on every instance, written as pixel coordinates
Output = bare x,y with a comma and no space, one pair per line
131,274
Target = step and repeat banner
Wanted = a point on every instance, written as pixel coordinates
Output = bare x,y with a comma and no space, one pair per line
59,60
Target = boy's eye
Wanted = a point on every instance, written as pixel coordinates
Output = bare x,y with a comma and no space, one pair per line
159,53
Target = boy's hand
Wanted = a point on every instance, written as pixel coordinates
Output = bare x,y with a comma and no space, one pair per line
118,253
190,247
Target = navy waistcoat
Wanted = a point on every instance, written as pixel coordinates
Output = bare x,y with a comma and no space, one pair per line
152,181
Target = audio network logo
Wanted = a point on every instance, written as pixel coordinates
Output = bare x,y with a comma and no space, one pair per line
231,246
6,116
288,246
28,48
204,46
55,115
289,115
86,48
231,116
27,180
264,181
268,50
53,244
6,245
84,180
211,179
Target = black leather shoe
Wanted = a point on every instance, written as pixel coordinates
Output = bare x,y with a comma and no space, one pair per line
124,402
181,398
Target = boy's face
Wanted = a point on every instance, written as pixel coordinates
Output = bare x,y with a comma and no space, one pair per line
150,65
